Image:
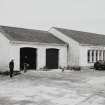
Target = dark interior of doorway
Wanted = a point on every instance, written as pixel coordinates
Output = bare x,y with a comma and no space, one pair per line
28,55
52,58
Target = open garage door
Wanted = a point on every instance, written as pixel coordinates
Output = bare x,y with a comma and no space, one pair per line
28,55
52,58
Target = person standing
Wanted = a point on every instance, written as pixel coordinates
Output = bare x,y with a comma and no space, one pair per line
11,67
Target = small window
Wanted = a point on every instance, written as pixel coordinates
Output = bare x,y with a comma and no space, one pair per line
88,56
96,55
92,55
104,55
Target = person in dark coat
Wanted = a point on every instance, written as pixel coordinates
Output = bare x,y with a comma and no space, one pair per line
11,67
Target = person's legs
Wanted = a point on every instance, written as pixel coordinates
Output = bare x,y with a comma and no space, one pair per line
11,73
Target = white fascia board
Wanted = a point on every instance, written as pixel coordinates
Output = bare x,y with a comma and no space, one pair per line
90,45
36,43
4,36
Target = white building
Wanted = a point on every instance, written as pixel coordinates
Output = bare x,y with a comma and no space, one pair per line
57,48
40,48
83,48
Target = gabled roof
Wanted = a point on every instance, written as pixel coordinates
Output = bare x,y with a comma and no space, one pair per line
29,35
84,38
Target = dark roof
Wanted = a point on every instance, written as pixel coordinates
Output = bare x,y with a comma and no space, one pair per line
29,35
84,37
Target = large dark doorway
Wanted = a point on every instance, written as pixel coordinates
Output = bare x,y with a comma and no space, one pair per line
52,58
28,55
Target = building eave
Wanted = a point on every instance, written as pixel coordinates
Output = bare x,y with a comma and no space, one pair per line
36,43
91,45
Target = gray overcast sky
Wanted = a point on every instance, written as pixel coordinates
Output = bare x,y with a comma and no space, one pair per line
86,15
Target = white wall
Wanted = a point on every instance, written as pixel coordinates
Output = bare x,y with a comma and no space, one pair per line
4,52
15,54
63,57
41,57
41,53
83,56
73,47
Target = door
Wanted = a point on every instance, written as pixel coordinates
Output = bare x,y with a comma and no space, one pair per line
28,55
52,58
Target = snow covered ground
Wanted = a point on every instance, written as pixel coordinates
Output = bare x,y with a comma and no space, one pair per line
53,88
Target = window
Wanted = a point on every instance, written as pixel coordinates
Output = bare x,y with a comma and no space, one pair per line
92,55
95,55
89,56
104,55
99,55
